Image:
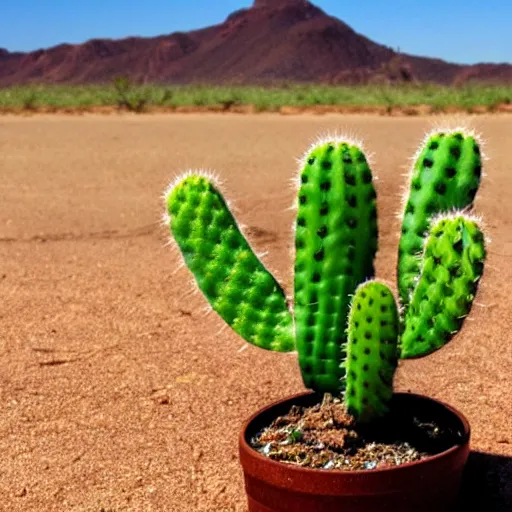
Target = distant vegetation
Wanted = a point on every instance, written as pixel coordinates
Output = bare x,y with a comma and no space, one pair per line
124,95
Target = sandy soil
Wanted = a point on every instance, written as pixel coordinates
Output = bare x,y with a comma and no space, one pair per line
117,392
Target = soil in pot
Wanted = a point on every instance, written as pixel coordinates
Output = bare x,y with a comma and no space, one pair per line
325,436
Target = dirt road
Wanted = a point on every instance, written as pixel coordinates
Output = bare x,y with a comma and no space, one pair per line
117,391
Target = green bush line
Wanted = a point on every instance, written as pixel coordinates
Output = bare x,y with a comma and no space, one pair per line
137,98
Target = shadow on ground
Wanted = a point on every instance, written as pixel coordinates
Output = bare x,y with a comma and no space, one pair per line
487,485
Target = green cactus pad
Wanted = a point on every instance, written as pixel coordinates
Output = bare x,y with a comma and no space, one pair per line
372,351
446,176
336,241
453,263
227,271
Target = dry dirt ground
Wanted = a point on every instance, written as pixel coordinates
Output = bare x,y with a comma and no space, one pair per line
117,391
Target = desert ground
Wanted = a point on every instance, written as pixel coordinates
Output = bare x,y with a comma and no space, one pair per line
118,390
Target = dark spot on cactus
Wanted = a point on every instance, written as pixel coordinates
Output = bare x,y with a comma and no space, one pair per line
430,207
301,221
409,208
302,199
330,148
366,384
352,393
324,209
326,186
311,321
437,260
353,374
369,319
366,368
478,237
367,176
306,367
352,222
319,255
441,135
316,277
439,233
304,178
351,253
350,179
370,302
349,271
459,136
431,321
433,145
311,161
479,267
404,230
450,172
299,243
347,158
313,307
363,295
372,195
458,246
356,324
367,350
310,336
354,357
416,184
472,192
368,336
428,162
420,338
327,165
322,232
352,200
455,152
383,323
365,401
383,308
455,271
440,188
476,149
358,307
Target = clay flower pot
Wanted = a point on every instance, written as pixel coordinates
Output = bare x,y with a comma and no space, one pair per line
429,485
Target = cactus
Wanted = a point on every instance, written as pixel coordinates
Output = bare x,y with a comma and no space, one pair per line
446,176
237,285
451,267
372,351
346,327
336,241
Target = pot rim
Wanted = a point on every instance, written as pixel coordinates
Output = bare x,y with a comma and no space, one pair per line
245,446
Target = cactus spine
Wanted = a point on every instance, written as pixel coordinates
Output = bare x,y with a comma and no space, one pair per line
336,241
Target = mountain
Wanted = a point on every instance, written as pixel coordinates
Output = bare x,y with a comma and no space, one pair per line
273,41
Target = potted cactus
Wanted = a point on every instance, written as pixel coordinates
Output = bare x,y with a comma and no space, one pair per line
349,443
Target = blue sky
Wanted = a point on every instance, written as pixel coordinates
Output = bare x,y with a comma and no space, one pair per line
465,31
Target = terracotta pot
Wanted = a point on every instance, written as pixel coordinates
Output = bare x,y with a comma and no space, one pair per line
430,485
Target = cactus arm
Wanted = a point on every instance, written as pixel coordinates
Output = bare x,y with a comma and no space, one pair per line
336,241
372,351
453,263
234,281
446,176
